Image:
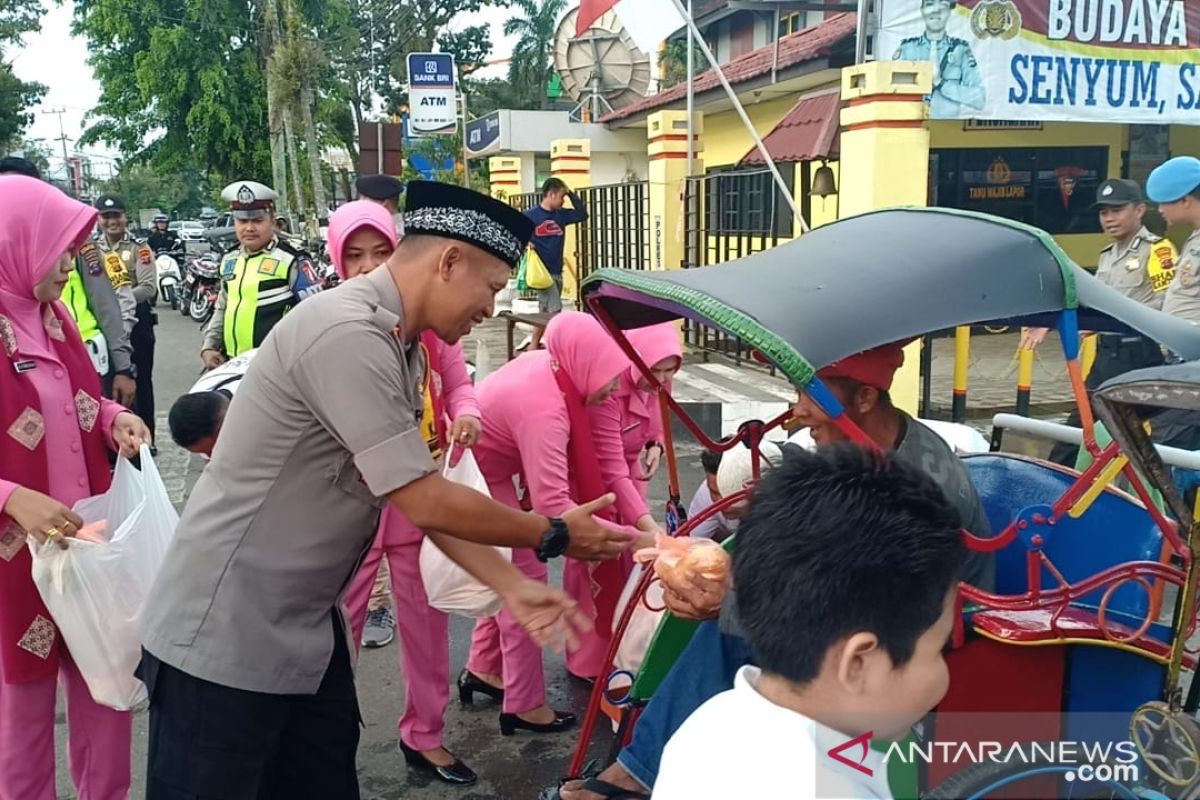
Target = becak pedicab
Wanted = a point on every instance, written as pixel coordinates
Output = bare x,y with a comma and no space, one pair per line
1081,567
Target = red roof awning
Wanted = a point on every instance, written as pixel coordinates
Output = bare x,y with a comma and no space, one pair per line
810,44
809,131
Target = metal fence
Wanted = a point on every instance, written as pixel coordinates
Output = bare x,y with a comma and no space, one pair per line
728,215
617,230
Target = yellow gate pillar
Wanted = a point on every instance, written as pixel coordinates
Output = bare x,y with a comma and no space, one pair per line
505,172
571,161
885,161
667,152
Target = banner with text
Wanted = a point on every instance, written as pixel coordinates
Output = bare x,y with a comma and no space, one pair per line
1128,61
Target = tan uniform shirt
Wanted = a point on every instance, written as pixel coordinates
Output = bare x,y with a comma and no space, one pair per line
130,267
1183,297
325,423
1140,269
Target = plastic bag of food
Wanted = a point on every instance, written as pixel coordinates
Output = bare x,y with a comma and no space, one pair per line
448,586
96,587
643,623
674,555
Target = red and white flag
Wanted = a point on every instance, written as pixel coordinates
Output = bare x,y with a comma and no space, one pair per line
648,22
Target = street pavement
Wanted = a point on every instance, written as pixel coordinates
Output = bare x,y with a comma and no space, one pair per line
509,768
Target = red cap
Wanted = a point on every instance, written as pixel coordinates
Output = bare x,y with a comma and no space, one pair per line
874,368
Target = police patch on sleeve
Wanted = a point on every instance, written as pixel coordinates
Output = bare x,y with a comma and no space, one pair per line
308,282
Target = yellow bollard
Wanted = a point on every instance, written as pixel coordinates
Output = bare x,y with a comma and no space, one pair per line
962,356
1024,379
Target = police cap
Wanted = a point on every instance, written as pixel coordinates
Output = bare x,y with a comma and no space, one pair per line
379,187
454,212
1174,179
110,204
249,199
1118,192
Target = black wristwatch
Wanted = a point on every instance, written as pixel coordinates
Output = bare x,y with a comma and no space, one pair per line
555,541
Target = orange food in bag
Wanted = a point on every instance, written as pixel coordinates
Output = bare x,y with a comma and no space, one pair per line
94,532
673,556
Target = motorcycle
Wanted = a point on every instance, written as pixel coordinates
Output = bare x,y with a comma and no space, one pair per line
198,296
167,264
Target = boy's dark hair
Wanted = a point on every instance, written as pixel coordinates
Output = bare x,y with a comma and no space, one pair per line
20,166
553,185
195,416
839,541
711,461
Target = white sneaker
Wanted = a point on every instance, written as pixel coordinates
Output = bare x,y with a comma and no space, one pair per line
524,345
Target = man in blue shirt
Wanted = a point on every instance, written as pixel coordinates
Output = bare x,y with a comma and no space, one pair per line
550,221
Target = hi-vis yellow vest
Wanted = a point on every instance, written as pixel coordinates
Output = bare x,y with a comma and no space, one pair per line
257,295
75,299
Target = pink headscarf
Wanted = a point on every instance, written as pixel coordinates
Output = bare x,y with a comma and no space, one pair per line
585,351
653,344
348,219
38,223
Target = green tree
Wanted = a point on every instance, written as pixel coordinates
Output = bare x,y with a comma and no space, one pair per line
535,24
672,63
17,18
142,188
36,152
181,84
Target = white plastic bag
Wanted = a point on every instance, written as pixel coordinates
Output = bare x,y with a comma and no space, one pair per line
448,586
642,625
95,591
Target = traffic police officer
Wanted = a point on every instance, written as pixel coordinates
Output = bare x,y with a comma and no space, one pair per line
261,279
1175,186
1138,264
163,239
130,267
957,81
90,297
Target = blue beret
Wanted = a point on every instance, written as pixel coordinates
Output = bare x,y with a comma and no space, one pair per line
1174,180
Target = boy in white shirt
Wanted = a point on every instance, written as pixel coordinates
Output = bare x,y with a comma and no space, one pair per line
846,569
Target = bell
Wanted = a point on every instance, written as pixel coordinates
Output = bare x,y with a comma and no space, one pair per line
823,184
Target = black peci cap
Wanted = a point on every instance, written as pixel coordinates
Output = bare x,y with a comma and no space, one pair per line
15,165
379,187
109,204
453,212
1118,192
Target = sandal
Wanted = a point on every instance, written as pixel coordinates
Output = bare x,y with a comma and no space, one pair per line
609,791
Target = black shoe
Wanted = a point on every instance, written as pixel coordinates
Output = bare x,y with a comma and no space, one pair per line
469,683
457,773
511,723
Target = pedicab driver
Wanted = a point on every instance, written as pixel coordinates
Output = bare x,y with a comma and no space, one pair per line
246,653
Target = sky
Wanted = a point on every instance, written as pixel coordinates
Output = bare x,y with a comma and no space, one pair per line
59,60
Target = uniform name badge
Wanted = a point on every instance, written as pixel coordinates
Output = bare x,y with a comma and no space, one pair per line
97,348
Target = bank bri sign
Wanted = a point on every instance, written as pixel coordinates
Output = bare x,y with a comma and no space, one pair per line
1125,61
432,99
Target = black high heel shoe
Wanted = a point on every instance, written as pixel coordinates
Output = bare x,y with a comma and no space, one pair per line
469,683
457,773
511,723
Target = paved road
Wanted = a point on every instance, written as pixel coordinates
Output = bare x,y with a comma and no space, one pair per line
510,768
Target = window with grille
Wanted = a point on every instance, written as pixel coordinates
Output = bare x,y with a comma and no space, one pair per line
747,202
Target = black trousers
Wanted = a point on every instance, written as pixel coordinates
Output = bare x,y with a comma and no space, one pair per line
211,742
142,339
1115,355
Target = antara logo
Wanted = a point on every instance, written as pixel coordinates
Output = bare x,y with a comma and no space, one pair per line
863,741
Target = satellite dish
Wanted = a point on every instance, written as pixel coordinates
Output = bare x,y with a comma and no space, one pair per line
602,69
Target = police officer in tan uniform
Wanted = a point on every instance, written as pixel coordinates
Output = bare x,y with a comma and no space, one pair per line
130,265
1138,264
247,658
1175,186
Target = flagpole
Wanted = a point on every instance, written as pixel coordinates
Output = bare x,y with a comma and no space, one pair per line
691,109
741,112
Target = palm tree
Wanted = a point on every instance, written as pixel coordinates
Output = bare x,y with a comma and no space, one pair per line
535,24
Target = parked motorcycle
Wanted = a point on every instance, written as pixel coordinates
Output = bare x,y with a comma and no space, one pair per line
167,264
201,286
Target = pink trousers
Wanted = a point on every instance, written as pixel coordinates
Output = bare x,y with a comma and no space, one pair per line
98,740
424,632
500,646
587,661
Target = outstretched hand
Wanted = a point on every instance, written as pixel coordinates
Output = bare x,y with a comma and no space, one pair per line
548,616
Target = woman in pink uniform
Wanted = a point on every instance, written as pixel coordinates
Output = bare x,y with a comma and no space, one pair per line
55,431
535,409
362,235
626,428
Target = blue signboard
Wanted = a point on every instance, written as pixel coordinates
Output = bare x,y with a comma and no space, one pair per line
483,135
432,99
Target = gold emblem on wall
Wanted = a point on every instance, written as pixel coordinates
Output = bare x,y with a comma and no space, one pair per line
999,172
998,18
